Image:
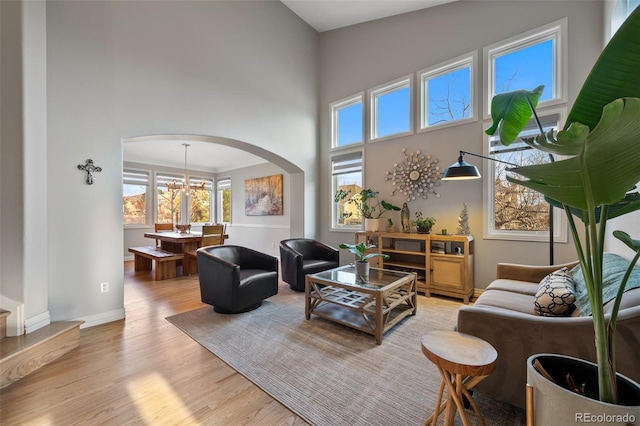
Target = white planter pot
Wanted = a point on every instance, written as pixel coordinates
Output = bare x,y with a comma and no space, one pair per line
555,405
372,225
362,270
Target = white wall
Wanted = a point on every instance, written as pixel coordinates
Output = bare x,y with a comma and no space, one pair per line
240,70
364,56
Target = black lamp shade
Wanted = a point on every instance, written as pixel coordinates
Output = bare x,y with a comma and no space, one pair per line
461,170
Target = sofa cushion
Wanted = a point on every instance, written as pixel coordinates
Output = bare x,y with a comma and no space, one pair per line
613,270
515,286
506,300
555,295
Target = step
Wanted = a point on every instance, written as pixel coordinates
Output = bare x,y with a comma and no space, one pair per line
3,323
22,355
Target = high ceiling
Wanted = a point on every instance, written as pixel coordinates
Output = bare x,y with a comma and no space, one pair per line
322,15
325,15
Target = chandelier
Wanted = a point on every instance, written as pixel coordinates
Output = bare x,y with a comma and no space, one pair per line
184,186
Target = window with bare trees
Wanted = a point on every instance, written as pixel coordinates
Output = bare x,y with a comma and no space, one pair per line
514,211
446,92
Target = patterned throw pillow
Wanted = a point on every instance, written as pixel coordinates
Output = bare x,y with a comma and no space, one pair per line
555,295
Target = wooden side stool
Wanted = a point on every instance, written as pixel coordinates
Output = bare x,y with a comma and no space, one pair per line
463,361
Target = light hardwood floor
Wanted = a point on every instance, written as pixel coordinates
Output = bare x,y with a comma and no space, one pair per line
141,371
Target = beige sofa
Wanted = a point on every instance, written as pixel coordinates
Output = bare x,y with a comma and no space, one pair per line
503,316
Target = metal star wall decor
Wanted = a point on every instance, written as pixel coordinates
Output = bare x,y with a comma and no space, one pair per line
417,176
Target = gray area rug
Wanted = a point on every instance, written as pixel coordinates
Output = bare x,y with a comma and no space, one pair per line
332,375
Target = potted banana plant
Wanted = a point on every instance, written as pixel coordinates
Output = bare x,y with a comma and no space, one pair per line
596,182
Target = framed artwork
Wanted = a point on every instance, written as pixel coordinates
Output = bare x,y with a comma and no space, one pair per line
263,196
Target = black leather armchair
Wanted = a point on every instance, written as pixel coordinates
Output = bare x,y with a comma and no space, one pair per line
302,256
236,279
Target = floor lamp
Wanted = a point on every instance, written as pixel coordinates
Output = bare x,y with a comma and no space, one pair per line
461,170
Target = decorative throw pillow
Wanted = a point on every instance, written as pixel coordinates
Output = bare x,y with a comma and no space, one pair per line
613,269
555,294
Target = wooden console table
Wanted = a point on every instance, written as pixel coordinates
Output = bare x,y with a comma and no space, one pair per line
443,263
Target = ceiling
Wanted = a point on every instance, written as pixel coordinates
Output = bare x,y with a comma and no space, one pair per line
322,15
203,156
325,15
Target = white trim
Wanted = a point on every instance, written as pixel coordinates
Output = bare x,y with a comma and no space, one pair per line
254,225
468,60
383,89
34,323
102,318
557,31
334,107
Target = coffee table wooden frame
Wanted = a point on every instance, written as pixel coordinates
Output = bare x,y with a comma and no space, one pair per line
373,306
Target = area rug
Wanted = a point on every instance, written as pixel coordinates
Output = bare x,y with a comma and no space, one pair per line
332,375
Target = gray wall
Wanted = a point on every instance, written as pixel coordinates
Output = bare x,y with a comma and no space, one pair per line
363,56
239,70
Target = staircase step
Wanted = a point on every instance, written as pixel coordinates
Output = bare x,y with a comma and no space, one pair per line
3,323
22,355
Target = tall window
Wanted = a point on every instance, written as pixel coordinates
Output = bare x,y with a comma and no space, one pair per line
391,109
347,122
527,61
135,194
224,199
346,171
514,211
446,92
168,202
200,201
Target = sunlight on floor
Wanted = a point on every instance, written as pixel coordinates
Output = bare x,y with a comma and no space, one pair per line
157,402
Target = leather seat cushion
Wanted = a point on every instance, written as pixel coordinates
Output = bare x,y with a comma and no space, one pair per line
312,266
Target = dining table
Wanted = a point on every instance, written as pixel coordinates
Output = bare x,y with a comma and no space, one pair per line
177,242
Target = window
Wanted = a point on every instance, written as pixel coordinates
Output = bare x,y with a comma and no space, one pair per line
347,122
514,211
446,92
346,171
224,200
391,109
527,61
135,194
168,201
200,200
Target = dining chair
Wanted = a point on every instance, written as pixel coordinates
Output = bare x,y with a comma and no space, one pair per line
159,227
212,235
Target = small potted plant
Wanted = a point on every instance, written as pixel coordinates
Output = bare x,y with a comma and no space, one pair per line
423,224
390,226
362,257
370,207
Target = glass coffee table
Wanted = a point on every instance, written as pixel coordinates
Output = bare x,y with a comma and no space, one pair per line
373,306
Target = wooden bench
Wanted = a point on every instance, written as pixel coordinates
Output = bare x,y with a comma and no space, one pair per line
166,261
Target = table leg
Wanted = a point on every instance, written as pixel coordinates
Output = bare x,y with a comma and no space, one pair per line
379,324
433,419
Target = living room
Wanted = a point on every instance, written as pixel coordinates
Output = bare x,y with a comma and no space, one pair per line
102,72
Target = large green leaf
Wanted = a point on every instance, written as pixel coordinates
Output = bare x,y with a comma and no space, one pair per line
606,167
630,203
511,112
615,75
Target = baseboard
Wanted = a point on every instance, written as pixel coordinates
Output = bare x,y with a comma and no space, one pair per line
477,292
103,318
34,323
